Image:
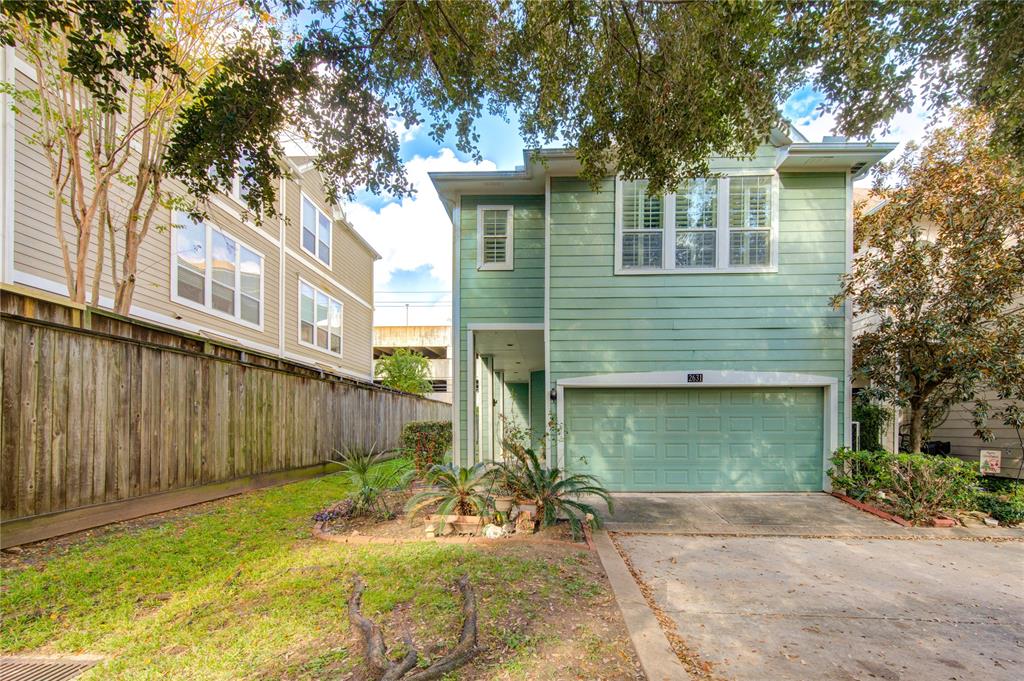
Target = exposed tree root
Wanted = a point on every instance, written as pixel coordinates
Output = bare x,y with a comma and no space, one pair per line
376,651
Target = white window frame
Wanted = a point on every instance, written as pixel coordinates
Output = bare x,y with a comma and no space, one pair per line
298,319
721,237
316,235
509,263
207,306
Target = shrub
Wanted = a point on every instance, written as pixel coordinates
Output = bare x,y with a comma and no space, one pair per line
915,486
427,442
1004,500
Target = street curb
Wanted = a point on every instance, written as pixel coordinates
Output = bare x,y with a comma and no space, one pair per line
656,656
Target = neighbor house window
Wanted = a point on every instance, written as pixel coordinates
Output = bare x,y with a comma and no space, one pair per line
319,319
238,192
316,231
706,225
494,238
216,272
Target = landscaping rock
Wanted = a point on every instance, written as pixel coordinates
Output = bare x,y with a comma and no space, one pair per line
991,522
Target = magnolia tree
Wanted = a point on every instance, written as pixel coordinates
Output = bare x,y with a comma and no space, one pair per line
105,134
940,271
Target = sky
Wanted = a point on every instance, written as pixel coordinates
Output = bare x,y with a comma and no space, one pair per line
414,236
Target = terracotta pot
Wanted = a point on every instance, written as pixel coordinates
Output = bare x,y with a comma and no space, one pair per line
504,504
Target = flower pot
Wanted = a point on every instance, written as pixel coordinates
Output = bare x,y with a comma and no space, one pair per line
457,524
504,504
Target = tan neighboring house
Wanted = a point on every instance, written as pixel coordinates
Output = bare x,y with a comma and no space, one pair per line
300,287
433,342
958,427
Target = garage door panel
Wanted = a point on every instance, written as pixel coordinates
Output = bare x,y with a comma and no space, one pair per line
697,439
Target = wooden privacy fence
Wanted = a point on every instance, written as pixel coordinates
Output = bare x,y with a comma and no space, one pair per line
99,409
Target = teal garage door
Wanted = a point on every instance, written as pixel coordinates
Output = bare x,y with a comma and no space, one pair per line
696,439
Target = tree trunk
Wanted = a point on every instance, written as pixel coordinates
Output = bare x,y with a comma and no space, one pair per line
916,425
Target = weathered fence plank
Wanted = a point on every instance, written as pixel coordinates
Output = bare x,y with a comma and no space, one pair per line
94,417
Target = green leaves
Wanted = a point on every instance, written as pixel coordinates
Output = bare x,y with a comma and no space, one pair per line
939,274
405,370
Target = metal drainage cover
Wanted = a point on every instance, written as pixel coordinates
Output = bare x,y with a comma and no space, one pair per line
43,669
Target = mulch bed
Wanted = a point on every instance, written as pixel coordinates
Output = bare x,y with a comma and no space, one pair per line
401,529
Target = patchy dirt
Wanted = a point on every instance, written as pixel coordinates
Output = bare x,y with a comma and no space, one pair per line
574,632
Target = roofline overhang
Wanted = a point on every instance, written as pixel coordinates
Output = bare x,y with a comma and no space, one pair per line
793,156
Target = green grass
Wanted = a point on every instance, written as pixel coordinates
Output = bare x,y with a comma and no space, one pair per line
240,590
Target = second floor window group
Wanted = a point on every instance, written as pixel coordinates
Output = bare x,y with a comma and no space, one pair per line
707,225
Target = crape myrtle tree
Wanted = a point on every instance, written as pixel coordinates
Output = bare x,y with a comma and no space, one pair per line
109,84
940,270
646,88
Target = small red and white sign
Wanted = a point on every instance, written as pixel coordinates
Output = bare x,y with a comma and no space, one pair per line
991,461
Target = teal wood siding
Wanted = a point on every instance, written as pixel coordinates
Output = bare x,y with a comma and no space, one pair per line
517,405
488,297
538,420
605,323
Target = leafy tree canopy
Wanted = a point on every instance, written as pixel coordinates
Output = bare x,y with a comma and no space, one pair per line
940,275
649,88
405,370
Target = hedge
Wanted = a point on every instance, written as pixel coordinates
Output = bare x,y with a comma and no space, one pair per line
427,442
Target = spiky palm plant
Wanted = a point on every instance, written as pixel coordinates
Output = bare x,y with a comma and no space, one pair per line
369,475
554,493
458,490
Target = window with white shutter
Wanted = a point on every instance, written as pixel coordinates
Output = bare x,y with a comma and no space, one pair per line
642,228
494,238
722,224
750,220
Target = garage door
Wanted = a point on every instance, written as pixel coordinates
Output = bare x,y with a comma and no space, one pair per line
696,439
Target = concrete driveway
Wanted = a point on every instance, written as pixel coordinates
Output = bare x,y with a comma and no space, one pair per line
757,600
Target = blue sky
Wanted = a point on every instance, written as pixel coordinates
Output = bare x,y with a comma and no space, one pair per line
414,235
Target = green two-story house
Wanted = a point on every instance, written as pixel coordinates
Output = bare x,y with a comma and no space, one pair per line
683,342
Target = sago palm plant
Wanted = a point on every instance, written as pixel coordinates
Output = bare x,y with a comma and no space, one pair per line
456,490
554,493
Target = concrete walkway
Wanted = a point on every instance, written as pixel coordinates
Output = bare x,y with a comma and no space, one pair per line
791,514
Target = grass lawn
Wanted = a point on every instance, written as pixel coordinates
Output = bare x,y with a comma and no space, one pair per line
238,589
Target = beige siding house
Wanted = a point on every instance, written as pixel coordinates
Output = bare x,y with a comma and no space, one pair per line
300,287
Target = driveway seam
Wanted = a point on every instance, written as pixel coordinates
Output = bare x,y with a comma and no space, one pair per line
799,535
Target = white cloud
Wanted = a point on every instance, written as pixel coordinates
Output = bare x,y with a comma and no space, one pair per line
415,231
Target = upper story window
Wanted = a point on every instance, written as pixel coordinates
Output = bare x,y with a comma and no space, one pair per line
319,319
238,192
215,272
316,231
494,238
706,225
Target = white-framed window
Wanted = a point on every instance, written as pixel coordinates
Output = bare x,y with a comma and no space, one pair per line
495,247
238,192
723,224
215,272
316,231
320,317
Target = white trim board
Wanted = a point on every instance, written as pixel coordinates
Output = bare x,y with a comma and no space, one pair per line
718,379
471,450
318,268
457,331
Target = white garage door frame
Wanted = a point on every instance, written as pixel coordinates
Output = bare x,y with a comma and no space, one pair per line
717,379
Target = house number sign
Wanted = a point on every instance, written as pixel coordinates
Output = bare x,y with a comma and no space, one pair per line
694,378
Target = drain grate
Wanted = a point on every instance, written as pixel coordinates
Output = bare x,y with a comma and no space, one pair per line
42,669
